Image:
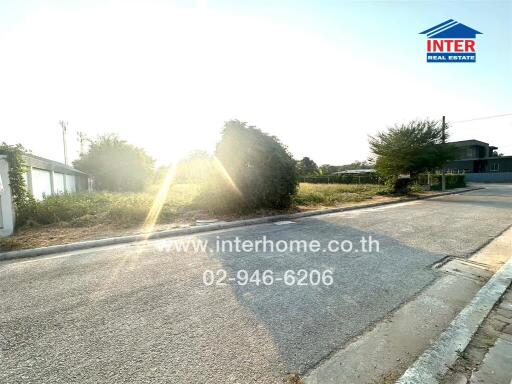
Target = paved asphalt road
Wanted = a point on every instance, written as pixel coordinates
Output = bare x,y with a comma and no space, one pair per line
141,313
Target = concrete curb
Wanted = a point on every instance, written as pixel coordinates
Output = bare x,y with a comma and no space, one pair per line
431,366
22,253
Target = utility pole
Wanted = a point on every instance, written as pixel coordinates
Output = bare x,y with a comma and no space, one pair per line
443,172
64,125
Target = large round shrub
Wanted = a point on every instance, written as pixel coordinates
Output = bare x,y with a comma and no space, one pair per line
262,172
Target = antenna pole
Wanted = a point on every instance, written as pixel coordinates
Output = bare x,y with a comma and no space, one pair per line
64,126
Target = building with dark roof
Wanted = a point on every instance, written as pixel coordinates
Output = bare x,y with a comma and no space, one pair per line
475,156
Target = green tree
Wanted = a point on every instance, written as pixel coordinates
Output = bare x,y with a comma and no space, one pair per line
411,148
258,165
116,165
327,169
307,167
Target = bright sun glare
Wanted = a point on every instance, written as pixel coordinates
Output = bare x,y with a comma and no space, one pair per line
159,201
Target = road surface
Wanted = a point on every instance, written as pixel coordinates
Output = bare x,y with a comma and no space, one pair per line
142,313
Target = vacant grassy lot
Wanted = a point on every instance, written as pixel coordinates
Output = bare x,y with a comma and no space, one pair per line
69,218
333,195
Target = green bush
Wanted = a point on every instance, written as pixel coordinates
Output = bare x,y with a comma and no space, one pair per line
66,207
256,170
129,209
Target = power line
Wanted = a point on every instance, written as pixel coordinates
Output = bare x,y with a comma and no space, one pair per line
481,118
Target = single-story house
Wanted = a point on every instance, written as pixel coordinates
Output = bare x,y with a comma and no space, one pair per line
44,177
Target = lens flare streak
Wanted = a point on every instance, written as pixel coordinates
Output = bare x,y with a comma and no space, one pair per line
220,168
158,203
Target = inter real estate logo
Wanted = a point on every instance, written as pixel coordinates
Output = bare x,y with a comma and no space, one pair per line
451,42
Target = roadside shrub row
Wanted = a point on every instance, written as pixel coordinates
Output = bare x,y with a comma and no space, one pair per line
452,181
404,186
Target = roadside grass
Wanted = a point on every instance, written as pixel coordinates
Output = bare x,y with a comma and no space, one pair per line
83,209
84,216
91,208
333,195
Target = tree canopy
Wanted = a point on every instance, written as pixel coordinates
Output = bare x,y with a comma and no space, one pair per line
116,165
307,167
411,148
259,166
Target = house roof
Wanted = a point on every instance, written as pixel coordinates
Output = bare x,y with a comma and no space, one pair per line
451,29
50,165
483,158
468,142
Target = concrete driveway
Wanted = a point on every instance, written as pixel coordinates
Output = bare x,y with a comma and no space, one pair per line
142,313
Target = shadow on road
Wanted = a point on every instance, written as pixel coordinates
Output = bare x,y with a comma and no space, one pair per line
308,322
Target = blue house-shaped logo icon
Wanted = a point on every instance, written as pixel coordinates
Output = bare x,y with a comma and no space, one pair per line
451,29
451,42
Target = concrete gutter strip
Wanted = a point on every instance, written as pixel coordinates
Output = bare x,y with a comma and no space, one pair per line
22,253
431,366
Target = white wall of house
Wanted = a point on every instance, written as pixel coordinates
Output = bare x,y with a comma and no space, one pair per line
6,208
41,183
59,185
70,184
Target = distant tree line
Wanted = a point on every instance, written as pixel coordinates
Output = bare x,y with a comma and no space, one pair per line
307,167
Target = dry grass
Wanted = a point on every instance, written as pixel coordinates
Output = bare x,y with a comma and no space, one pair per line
334,195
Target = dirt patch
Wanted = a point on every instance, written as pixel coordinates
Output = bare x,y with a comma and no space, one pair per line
294,379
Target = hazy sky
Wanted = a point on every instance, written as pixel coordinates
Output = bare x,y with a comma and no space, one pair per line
320,75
